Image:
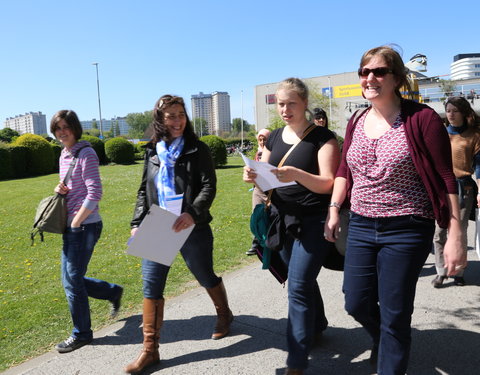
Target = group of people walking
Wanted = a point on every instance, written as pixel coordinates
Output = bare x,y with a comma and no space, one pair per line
395,176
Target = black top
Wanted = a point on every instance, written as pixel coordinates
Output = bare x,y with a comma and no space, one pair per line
297,199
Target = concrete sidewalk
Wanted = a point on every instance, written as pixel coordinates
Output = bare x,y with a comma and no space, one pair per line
446,332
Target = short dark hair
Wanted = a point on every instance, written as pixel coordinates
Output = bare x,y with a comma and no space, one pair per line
71,119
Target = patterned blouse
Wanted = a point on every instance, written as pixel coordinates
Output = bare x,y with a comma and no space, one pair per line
385,180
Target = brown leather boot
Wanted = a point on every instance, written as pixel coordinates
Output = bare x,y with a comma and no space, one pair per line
152,322
224,314
293,371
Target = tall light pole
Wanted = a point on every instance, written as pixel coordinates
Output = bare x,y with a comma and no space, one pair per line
241,118
99,106
330,97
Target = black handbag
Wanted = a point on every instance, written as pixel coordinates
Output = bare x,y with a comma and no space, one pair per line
51,215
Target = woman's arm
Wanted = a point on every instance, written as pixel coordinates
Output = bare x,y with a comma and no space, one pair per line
333,218
328,161
453,252
141,208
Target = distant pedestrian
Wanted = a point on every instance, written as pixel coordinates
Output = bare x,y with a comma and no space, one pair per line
396,172
320,117
258,196
84,226
176,162
463,126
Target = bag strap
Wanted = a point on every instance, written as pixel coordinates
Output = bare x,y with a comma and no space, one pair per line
305,133
72,165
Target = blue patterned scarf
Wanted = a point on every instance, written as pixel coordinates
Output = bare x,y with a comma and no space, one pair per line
166,176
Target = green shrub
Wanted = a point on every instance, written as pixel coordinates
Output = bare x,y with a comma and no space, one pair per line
217,149
120,151
19,155
140,150
57,150
40,154
98,146
6,170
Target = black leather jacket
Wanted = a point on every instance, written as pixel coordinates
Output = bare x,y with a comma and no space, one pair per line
194,176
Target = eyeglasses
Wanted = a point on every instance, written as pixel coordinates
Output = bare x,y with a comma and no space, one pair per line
377,72
168,99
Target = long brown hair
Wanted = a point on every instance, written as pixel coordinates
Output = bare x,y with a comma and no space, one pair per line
469,116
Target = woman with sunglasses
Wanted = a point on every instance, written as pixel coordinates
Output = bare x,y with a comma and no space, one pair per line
177,162
396,176
302,208
463,126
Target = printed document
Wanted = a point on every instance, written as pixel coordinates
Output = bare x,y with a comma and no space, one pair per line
265,180
155,239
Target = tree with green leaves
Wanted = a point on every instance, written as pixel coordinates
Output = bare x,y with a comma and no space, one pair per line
7,135
138,123
237,126
447,86
94,124
200,126
93,131
116,129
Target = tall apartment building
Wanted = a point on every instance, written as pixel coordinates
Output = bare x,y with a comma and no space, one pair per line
214,109
465,66
31,122
107,124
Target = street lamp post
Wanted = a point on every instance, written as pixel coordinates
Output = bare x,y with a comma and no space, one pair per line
241,119
99,106
330,97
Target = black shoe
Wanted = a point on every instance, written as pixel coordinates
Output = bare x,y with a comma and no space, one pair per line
252,251
71,344
438,281
459,281
116,304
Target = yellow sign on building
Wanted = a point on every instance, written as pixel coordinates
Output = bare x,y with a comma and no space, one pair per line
347,91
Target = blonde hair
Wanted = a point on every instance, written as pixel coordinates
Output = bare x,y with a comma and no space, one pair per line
294,84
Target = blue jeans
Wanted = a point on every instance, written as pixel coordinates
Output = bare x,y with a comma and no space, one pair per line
78,245
198,255
382,264
306,315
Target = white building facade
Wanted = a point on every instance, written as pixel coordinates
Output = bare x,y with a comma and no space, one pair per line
214,109
108,125
465,66
31,122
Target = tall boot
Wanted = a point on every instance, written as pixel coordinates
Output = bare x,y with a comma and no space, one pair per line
152,322
224,314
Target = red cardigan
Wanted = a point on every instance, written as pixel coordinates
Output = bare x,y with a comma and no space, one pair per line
430,150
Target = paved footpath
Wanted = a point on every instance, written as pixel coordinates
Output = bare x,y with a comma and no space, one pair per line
446,332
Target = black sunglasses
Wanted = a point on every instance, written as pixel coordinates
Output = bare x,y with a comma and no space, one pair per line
377,72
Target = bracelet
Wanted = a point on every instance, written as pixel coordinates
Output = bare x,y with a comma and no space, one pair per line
334,204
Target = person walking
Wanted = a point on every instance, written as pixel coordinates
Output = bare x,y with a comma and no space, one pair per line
396,172
83,192
463,126
301,208
176,162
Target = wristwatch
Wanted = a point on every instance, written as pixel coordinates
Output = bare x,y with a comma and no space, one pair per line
334,204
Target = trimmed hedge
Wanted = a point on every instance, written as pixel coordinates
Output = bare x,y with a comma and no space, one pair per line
19,156
98,146
217,149
57,150
6,170
40,154
120,151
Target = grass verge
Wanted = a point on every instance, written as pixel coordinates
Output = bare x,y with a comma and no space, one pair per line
33,311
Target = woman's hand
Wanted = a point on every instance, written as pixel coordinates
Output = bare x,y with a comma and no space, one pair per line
249,175
184,221
286,174
61,188
133,231
454,255
332,225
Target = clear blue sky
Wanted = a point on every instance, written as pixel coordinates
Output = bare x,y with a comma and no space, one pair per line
147,48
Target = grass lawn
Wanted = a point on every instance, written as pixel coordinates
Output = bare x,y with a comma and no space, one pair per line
34,314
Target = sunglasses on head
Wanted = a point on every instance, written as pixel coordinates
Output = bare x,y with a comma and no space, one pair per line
167,99
377,72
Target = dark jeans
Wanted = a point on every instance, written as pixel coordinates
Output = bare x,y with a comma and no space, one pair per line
382,265
78,245
197,253
306,314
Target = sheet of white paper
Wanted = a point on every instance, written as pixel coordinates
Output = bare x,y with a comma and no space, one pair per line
174,203
265,180
155,239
